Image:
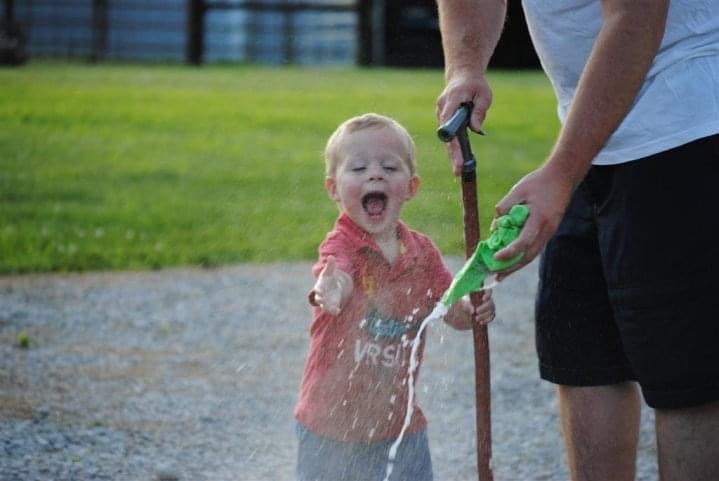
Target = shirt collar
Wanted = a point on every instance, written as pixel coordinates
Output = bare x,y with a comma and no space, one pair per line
362,239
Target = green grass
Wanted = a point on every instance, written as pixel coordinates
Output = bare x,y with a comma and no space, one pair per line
136,167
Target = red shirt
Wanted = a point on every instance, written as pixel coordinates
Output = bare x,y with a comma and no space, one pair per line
354,386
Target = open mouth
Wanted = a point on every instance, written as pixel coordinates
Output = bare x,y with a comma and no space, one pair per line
374,203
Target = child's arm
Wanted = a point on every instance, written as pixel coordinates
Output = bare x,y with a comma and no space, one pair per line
333,288
462,314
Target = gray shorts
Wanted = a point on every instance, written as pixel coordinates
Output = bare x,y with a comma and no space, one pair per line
324,459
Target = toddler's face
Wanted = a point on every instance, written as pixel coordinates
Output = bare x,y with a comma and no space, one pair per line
373,180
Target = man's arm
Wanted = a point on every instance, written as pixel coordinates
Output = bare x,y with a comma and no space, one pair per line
470,32
615,71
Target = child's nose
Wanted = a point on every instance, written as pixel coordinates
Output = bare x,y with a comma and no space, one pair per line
376,173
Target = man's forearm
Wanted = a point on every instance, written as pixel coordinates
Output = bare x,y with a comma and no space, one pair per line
614,73
470,32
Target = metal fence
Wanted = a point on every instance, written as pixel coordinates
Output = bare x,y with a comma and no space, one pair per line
376,32
274,32
294,32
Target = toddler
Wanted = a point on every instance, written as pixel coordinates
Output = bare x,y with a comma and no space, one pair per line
377,280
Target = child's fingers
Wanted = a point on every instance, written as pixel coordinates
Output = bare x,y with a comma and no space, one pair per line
329,269
327,305
326,300
483,321
485,306
485,310
486,295
327,280
484,313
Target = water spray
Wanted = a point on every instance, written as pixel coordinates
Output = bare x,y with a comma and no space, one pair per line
469,280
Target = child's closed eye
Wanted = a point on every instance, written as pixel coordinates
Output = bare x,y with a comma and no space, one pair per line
390,165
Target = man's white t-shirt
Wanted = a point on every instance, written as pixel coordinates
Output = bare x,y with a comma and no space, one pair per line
679,101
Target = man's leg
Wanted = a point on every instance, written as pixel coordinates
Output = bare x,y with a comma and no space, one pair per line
601,430
688,443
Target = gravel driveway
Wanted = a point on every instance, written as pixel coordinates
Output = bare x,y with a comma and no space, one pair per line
191,374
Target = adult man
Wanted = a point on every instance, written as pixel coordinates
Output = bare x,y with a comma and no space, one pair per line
622,297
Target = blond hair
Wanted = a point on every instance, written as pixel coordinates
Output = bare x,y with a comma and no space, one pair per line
362,122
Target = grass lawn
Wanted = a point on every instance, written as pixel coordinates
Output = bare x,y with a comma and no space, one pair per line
137,166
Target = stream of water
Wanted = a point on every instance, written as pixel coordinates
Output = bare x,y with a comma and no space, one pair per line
438,312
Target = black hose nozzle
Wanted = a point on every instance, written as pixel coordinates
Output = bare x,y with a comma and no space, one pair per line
458,122
456,127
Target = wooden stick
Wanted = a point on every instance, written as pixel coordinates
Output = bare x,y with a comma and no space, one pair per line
456,128
481,340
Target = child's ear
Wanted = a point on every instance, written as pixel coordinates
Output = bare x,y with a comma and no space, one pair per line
413,187
331,187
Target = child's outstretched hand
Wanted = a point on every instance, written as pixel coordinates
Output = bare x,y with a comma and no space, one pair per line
332,288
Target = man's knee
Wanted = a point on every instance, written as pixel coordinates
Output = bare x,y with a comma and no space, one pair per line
601,429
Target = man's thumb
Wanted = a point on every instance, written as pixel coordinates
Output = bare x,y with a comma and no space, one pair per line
502,207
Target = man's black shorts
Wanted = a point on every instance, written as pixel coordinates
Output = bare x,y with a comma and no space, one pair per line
629,285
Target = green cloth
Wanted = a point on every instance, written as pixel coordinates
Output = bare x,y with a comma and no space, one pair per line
470,278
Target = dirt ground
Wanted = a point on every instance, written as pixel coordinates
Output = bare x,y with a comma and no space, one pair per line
192,374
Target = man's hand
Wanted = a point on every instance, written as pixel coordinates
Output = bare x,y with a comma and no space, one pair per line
332,288
470,30
460,88
546,192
